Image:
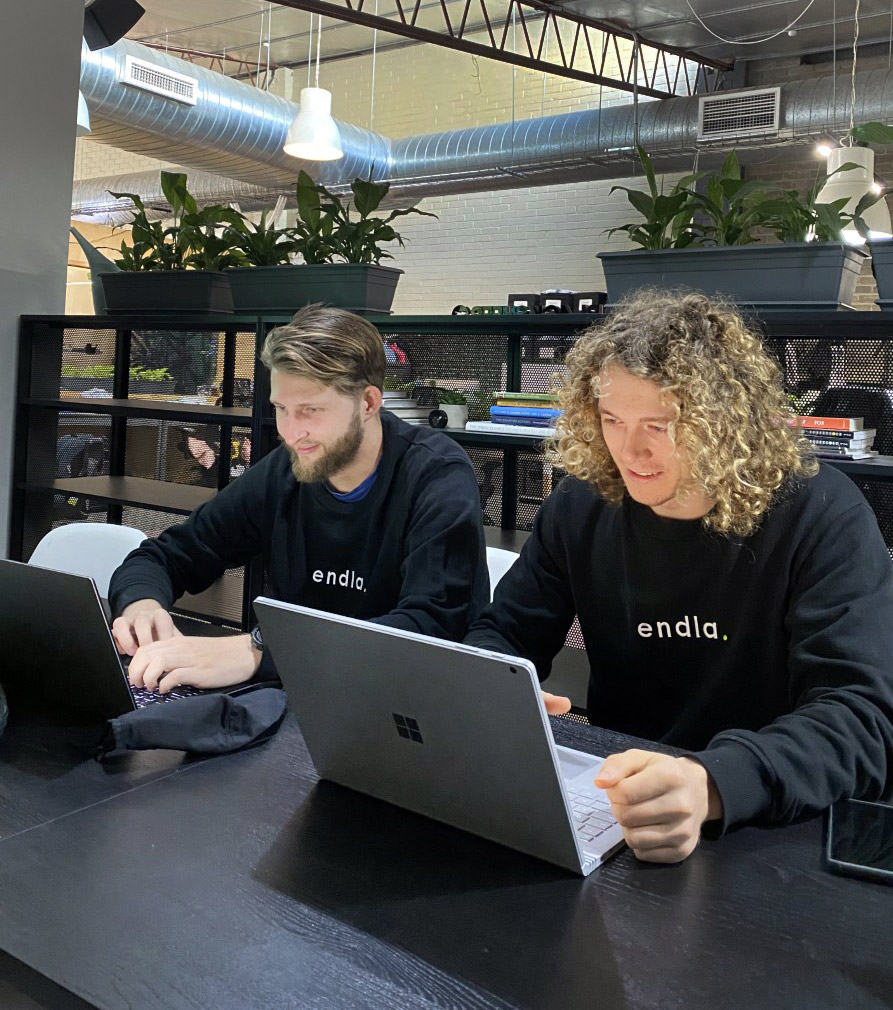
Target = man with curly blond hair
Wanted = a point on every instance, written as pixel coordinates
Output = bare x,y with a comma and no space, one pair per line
735,597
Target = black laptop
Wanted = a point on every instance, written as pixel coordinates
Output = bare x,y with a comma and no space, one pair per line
58,647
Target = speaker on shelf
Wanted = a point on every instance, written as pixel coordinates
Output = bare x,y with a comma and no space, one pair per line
557,301
107,21
590,301
524,303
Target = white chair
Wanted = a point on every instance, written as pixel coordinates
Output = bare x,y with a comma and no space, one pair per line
499,561
94,549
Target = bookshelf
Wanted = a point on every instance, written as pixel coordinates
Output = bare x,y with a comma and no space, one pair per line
215,404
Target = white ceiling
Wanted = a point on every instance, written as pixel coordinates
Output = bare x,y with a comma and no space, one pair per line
239,28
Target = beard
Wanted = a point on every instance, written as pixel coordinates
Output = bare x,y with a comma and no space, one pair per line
332,457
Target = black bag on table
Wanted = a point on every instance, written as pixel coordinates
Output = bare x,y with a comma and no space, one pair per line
213,723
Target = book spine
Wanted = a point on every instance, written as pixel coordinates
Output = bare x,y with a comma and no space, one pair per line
506,402
525,422
538,412
833,423
510,429
838,435
854,443
508,394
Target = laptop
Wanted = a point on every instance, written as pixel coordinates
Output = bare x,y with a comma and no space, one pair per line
59,647
456,733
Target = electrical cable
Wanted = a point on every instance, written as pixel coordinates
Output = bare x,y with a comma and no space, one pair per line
755,42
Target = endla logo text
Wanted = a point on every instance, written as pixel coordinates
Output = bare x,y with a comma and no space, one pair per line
687,627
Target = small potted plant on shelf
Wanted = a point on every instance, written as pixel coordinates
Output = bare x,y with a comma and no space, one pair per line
174,268
708,240
454,404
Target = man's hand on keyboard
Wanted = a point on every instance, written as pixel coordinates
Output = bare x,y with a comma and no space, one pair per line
660,802
142,622
193,661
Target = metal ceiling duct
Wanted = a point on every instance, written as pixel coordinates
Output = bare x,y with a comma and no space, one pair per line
235,131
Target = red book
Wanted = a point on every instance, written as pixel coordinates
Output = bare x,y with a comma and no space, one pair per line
834,423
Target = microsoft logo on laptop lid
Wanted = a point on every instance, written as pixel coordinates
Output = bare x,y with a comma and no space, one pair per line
407,728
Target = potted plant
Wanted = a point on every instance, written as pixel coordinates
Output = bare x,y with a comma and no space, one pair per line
454,404
707,240
174,268
264,279
341,245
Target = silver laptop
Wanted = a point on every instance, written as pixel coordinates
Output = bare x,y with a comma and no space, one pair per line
58,645
453,732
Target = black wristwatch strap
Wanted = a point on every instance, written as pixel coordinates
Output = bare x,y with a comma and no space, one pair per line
256,639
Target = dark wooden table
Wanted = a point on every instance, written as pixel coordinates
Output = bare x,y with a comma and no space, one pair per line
161,883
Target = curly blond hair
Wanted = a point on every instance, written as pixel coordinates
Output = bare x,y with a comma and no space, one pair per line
731,411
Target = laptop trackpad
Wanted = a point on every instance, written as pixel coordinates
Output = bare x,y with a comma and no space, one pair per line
575,764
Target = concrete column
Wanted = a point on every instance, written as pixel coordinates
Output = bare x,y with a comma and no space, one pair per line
39,75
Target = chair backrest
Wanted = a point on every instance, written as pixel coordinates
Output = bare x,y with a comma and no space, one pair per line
94,549
499,561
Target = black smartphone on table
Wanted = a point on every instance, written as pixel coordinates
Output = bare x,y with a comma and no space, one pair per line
859,840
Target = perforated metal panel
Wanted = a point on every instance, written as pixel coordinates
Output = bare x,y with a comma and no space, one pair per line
474,364
542,358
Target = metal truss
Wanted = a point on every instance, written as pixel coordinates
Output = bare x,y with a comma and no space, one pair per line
519,36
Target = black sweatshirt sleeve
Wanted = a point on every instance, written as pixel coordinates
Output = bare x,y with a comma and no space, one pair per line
533,606
444,583
223,533
838,739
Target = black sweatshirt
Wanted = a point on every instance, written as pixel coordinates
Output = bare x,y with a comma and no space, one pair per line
409,555
768,657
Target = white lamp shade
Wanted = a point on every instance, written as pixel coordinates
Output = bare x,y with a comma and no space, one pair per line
83,127
854,184
313,135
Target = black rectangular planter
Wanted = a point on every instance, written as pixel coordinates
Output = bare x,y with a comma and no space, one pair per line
171,292
359,287
784,275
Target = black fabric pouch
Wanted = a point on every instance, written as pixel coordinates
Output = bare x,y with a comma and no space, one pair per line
203,724
4,710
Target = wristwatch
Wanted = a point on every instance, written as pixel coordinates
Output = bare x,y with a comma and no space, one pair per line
256,639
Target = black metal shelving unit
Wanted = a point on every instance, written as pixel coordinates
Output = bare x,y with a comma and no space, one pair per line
146,477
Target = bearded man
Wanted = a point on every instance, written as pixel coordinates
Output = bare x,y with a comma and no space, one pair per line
357,513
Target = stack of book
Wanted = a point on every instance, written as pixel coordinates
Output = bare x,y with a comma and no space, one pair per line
839,437
405,407
520,414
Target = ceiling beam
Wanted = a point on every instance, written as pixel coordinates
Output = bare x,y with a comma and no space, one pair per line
520,35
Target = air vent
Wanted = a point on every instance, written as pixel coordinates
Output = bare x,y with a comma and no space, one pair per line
149,77
748,114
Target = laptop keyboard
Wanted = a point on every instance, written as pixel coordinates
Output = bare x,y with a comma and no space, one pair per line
142,697
591,812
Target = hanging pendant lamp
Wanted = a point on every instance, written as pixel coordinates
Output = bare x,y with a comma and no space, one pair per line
83,127
314,135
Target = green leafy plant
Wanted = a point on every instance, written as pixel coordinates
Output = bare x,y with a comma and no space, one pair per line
193,240
795,218
872,133
329,227
316,222
731,206
667,217
108,372
262,244
729,210
451,397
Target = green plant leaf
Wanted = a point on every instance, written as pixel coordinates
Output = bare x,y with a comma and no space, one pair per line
872,133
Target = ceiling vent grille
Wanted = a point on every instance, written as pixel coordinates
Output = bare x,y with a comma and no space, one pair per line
149,77
747,114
